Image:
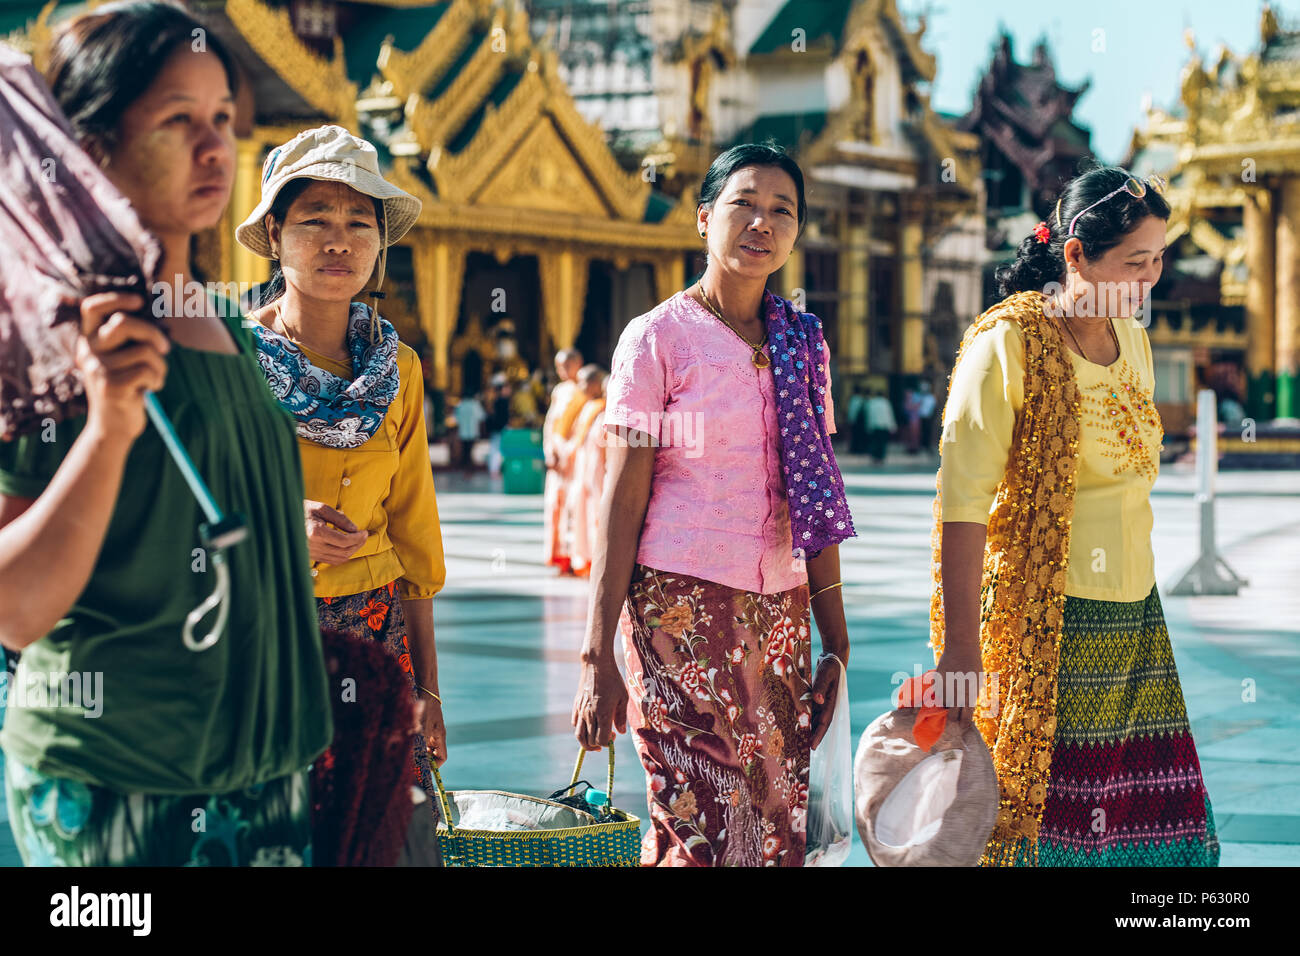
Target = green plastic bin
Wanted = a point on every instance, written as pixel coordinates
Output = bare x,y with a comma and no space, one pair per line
523,476
521,443
523,466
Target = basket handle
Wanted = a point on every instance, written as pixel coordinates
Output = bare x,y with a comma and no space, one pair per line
609,788
577,769
442,797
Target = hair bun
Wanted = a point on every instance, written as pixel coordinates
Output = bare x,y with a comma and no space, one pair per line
1036,264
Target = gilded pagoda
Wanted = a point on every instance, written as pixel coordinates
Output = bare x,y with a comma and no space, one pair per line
530,229
893,250
1030,146
1231,149
557,146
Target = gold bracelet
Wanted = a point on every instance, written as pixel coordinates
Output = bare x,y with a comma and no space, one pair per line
827,588
429,692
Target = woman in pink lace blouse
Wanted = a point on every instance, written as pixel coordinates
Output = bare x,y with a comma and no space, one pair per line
722,512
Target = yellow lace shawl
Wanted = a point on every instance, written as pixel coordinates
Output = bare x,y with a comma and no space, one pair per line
1025,559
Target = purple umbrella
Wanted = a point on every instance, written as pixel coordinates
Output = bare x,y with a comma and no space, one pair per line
68,233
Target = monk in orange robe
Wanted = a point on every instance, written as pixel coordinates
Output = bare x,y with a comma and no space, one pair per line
561,416
587,474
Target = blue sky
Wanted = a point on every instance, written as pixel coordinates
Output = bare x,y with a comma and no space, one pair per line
1144,49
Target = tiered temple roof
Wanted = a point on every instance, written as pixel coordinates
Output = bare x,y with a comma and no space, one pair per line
1030,143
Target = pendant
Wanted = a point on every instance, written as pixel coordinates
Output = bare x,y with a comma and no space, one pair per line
760,359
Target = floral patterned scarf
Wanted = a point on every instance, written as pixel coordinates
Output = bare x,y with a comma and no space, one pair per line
333,411
1025,559
819,511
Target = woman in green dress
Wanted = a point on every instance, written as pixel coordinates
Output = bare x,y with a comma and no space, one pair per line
122,746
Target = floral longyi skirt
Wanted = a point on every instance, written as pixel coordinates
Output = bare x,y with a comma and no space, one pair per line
720,712
377,615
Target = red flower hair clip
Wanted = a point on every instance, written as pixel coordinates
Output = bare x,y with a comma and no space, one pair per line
1043,234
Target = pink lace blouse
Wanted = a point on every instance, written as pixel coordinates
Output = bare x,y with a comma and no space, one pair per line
718,508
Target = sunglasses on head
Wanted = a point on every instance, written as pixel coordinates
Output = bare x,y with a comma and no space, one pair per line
1137,188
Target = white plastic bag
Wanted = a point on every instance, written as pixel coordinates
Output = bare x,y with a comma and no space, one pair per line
830,788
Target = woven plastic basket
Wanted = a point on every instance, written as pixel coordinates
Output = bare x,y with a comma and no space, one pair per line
616,843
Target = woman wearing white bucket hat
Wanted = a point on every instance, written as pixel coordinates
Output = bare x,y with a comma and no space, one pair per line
327,218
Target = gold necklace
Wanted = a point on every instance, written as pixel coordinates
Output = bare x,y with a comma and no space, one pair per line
1078,345
759,358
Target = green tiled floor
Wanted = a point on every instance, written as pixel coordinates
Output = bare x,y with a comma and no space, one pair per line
509,632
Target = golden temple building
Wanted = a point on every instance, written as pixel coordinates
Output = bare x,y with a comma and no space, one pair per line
892,254
1232,154
557,146
530,230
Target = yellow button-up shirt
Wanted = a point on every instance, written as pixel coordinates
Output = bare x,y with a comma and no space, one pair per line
1119,453
386,487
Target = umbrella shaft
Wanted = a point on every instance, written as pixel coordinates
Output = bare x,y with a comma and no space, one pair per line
164,428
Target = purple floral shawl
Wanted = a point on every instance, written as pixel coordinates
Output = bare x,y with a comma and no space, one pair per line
819,509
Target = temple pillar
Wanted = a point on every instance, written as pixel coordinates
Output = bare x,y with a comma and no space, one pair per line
564,293
246,267
1287,303
1261,298
911,344
670,277
439,268
854,273
791,276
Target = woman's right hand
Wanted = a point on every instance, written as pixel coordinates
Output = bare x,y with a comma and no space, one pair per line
332,538
601,704
120,357
955,693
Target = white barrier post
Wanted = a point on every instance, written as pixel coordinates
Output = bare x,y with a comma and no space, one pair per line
1210,574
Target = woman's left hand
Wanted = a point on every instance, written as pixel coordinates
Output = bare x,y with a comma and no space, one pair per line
825,690
434,730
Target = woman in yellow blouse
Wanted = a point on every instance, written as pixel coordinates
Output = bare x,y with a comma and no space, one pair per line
327,217
1043,562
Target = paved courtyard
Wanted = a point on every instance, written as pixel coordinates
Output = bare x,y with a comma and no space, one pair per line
509,632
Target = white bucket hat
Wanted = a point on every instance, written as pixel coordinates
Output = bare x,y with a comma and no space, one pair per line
330,154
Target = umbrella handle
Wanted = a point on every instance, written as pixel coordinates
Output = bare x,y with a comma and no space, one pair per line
162,424
216,599
221,531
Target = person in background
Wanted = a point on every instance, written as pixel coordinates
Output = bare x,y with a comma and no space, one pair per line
101,561
470,418
1231,413
879,423
566,403
912,419
925,408
498,420
524,408
326,218
583,453
858,421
